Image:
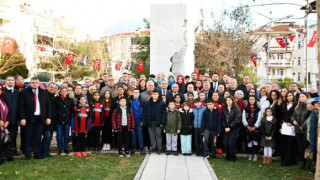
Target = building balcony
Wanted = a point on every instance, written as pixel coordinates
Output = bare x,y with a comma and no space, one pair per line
282,63
278,48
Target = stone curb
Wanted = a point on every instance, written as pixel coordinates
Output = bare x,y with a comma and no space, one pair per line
142,166
210,169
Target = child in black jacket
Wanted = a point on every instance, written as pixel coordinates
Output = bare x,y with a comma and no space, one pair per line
186,128
211,127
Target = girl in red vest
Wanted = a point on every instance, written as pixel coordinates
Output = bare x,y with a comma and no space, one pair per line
107,128
97,121
81,123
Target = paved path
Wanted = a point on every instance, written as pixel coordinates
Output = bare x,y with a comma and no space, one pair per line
156,167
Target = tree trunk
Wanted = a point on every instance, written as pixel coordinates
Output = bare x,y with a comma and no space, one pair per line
317,175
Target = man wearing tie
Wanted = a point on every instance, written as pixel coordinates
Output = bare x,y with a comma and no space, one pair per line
34,112
215,82
164,89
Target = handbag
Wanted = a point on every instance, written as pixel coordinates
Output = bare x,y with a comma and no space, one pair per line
5,136
308,154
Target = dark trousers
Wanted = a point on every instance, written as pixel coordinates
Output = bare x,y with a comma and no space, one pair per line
63,135
123,140
95,141
146,138
45,144
80,140
198,141
302,144
32,137
13,129
242,140
229,141
22,135
289,150
107,131
209,136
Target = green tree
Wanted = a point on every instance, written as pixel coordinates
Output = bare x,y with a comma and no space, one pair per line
43,77
18,70
92,49
251,72
143,55
285,82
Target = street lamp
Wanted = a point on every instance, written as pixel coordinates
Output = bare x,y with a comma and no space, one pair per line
269,34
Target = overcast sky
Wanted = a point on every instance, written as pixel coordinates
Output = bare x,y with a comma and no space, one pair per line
106,17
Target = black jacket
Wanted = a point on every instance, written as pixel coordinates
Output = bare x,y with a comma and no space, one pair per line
287,114
154,111
186,122
211,119
231,119
268,129
64,110
12,101
27,105
243,88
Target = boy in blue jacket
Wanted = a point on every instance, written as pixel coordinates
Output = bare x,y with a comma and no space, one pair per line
211,127
136,106
197,112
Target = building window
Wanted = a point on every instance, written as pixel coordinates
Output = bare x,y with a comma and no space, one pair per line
123,55
133,41
299,35
280,56
122,42
299,45
299,61
299,77
273,72
281,72
293,61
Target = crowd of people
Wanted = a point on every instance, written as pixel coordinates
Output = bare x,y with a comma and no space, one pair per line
188,114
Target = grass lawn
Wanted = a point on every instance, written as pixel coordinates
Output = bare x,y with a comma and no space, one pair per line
95,166
247,170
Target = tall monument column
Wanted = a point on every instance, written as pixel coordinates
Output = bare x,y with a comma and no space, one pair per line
171,39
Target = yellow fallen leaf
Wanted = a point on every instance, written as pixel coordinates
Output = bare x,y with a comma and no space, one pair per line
0,172
17,172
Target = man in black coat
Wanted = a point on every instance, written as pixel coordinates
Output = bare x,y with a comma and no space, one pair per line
154,117
48,129
215,82
243,87
174,91
12,100
35,111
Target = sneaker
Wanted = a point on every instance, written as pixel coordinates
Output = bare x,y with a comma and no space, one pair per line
153,150
184,154
78,154
127,155
255,158
120,156
84,154
168,152
60,151
142,152
133,150
175,153
104,147
250,157
214,156
66,151
205,155
108,148
265,159
159,152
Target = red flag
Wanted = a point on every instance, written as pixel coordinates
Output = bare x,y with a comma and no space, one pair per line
313,40
197,71
8,45
281,42
254,59
291,37
69,59
118,65
140,66
97,64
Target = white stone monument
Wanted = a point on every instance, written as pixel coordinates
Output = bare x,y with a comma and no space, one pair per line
171,39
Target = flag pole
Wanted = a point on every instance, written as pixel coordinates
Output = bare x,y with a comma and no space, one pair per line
305,46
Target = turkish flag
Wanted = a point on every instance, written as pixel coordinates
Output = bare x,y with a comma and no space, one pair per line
8,45
254,59
118,65
140,66
97,64
313,40
291,37
69,59
197,71
281,42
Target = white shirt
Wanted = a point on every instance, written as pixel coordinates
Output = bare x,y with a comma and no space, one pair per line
9,89
37,112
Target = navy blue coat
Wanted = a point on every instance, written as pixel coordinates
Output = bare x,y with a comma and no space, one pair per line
154,111
211,119
12,101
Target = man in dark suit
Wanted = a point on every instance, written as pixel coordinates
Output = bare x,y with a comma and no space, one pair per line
206,90
293,87
35,111
164,90
105,81
243,86
174,91
215,82
12,100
